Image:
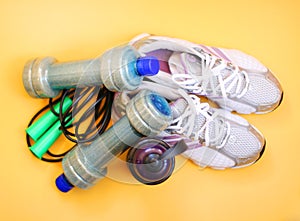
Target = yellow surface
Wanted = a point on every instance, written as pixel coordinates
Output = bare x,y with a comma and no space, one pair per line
69,30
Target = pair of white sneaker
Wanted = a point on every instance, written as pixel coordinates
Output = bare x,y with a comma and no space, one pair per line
231,79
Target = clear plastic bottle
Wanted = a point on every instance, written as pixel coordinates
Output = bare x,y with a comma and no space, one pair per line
147,114
120,68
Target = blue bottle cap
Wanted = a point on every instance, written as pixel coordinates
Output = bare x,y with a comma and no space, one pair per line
161,104
63,184
147,66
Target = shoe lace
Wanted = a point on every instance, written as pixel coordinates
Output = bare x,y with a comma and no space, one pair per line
217,77
185,123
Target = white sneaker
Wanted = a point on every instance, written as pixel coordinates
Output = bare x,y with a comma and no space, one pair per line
232,79
216,137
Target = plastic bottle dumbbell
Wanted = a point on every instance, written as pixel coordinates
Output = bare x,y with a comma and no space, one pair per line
147,114
120,68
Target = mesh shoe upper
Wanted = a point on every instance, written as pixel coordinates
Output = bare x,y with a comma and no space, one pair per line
234,80
216,138
233,142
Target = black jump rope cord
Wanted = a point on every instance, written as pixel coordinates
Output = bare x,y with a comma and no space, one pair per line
97,112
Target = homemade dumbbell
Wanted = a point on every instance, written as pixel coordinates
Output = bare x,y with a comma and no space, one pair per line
147,114
120,68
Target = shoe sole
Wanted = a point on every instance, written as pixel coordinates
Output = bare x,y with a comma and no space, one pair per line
280,101
260,155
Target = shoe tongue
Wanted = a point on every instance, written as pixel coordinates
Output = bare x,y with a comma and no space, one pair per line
179,107
185,63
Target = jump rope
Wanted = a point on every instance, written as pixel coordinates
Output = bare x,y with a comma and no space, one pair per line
96,103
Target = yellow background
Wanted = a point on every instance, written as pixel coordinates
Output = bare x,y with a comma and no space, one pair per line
71,30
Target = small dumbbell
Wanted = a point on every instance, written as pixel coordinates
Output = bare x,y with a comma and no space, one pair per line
120,68
147,114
